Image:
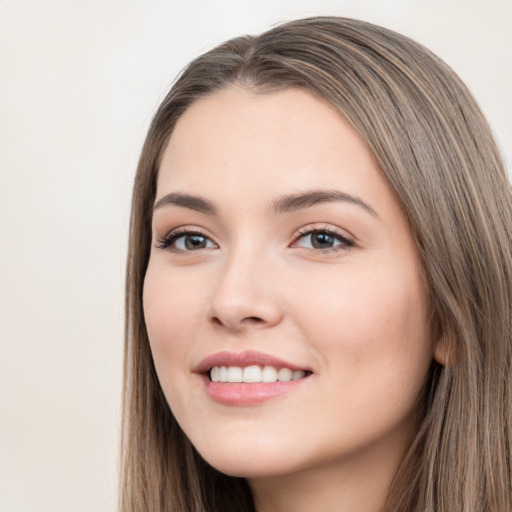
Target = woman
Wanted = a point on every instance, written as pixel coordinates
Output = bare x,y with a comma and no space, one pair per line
319,284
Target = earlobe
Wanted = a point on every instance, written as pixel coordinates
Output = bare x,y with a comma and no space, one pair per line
441,350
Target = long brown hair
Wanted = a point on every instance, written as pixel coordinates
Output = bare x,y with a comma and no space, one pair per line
436,149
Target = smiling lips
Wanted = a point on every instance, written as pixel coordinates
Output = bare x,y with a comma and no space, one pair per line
248,378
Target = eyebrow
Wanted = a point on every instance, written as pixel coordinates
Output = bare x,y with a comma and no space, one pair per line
293,202
186,201
283,204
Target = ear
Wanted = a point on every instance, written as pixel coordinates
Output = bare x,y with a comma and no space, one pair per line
441,350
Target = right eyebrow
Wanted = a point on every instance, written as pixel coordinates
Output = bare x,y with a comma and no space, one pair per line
196,203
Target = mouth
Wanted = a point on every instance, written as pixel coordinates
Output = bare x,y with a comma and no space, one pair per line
249,378
255,374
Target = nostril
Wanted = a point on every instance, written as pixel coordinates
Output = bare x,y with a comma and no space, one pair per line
249,320
252,320
216,321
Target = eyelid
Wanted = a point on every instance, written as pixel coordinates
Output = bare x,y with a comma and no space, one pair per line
166,241
347,241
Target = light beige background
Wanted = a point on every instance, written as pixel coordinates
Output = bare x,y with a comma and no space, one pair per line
79,82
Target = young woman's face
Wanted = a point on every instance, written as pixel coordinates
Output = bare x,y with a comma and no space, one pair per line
279,251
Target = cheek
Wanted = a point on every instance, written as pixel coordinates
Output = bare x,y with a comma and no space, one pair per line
372,339
170,311
371,325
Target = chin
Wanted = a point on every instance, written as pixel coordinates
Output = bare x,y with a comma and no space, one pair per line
251,459
247,468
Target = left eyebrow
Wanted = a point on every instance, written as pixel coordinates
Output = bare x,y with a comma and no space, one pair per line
293,202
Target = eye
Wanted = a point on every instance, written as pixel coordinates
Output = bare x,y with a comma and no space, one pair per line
185,241
324,239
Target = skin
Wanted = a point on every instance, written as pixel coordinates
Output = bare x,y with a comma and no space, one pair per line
356,315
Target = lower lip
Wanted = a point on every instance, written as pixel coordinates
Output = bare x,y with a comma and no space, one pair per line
244,393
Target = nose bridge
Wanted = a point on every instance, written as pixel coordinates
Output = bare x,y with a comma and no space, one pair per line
244,294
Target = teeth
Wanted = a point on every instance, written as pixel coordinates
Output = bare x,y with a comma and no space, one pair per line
284,375
254,373
269,374
215,374
298,374
235,374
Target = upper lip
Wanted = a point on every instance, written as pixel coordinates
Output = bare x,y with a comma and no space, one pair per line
243,359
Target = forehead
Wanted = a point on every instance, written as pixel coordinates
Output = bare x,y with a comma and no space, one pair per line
266,144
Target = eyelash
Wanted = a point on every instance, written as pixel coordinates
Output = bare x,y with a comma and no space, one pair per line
170,238
345,244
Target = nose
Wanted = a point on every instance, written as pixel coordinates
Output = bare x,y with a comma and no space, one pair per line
246,295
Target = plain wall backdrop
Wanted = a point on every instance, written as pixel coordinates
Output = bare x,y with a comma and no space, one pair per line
79,82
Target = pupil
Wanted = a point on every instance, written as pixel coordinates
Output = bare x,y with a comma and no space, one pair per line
195,242
322,240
